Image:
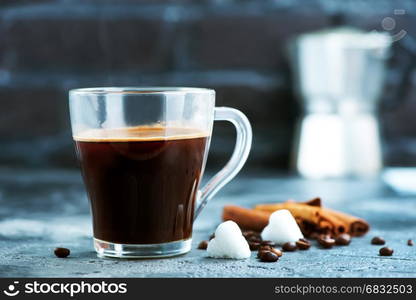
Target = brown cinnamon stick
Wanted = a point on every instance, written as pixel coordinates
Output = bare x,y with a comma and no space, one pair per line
314,202
357,226
298,210
246,218
311,217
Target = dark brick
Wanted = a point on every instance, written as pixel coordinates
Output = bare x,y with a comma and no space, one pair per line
272,114
401,121
8,3
248,40
265,106
91,44
35,128
149,2
400,151
28,113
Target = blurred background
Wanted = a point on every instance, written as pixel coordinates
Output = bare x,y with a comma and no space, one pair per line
237,47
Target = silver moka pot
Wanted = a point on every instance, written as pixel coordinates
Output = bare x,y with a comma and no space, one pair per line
339,77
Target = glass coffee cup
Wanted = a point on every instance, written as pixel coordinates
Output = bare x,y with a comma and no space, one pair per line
142,153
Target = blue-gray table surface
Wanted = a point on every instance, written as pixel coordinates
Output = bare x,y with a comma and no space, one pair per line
40,210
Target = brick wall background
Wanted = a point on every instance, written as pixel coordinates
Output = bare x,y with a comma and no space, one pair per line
236,47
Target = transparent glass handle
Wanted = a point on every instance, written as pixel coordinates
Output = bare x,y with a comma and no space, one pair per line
237,160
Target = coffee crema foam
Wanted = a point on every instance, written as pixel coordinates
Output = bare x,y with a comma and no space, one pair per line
140,133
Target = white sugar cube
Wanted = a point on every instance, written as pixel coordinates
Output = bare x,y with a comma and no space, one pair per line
228,242
282,228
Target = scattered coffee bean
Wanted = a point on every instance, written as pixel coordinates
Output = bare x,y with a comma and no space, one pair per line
265,247
62,252
268,243
203,245
303,244
277,252
261,252
409,243
378,241
268,256
326,242
386,251
289,246
325,236
343,239
254,246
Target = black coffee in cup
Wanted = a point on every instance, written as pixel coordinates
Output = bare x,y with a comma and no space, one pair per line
142,182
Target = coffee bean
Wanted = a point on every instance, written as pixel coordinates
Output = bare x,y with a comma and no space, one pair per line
62,252
303,244
325,236
203,245
268,243
211,236
261,252
289,246
276,251
268,256
254,246
326,242
409,243
377,240
386,251
343,239
265,247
